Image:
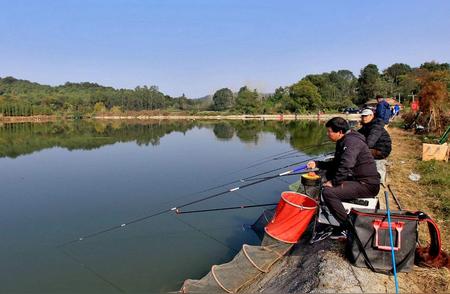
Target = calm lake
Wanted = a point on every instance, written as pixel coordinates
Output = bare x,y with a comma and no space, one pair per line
66,180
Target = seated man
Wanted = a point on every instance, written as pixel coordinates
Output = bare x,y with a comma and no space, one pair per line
377,138
352,173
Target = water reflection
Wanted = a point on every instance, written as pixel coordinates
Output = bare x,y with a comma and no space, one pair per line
25,138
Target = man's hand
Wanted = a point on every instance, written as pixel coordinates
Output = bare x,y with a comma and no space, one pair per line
328,184
311,164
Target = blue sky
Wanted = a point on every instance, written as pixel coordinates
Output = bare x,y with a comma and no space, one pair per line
196,47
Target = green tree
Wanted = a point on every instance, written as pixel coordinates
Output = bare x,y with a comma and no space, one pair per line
305,95
369,83
247,101
223,99
395,71
337,89
435,66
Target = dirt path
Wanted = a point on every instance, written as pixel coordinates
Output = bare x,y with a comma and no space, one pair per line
406,152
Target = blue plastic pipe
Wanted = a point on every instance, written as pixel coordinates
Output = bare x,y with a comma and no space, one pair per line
394,267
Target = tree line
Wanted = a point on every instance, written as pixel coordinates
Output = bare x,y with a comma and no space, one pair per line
315,92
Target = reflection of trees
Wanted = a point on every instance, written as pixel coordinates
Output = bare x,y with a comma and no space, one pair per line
223,130
305,134
24,138
248,131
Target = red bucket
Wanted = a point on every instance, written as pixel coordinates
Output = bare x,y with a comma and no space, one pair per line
292,217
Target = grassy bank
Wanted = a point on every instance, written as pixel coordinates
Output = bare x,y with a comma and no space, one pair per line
435,177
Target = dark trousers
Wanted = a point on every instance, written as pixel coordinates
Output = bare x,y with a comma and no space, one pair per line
349,190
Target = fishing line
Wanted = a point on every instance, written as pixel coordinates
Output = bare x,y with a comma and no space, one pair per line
283,180
286,156
245,197
260,163
205,234
91,270
280,156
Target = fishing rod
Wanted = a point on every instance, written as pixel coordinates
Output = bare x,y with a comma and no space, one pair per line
279,156
286,166
395,197
287,156
289,172
224,208
116,227
250,178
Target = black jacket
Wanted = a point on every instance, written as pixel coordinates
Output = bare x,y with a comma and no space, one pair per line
352,161
377,138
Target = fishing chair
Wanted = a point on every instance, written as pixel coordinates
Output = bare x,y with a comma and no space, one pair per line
326,218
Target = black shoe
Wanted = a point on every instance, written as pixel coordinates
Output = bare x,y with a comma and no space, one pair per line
339,235
321,235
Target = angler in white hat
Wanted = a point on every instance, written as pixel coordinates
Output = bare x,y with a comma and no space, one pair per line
377,138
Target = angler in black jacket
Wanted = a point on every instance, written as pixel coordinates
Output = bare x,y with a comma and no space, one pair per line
352,173
377,138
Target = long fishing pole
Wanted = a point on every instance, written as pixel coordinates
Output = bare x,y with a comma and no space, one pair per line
250,178
290,172
224,208
280,156
286,166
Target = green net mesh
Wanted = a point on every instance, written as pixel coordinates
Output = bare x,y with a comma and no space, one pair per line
250,262
247,265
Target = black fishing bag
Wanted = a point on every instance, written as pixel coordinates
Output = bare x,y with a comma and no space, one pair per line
368,243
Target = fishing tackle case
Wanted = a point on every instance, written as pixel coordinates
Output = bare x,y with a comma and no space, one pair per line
368,243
